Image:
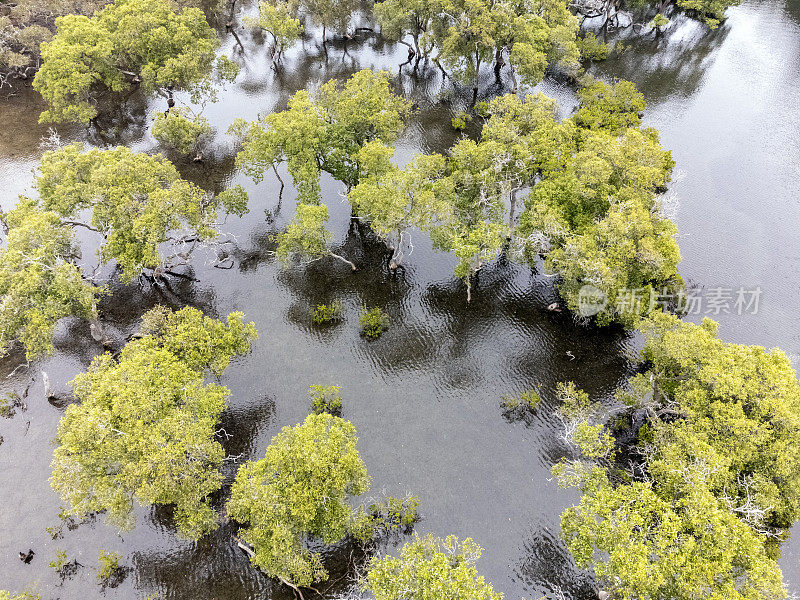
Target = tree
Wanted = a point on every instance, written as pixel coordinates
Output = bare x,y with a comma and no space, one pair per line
306,238
612,108
180,129
698,514
277,18
532,34
324,132
394,200
738,410
129,42
39,282
641,545
136,202
413,18
145,425
430,568
299,490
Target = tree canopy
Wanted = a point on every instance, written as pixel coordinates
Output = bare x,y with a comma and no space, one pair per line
137,201
324,131
430,568
592,185
717,483
298,490
39,284
144,429
145,42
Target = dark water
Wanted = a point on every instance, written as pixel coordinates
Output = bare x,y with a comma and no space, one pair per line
424,397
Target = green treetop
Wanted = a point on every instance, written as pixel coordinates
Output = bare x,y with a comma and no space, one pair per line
144,427
146,42
394,200
738,410
306,238
39,284
430,568
699,514
299,490
136,200
276,17
324,132
641,545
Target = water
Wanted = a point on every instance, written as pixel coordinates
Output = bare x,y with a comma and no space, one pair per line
425,396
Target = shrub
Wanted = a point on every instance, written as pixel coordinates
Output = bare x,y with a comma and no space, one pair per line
526,401
109,565
325,399
460,121
373,323
327,313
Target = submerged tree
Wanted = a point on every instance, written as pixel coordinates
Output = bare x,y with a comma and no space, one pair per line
306,238
137,202
129,42
430,568
39,281
697,516
324,132
276,17
298,490
144,428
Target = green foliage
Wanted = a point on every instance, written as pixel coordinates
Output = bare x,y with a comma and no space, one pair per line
60,561
612,108
145,42
658,22
718,481
430,568
299,490
526,401
591,48
4,595
325,399
382,518
459,122
394,201
327,313
482,109
179,129
145,425
712,12
373,322
324,132
533,34
39,283
136,201
306,237
109,565
277,18
741,418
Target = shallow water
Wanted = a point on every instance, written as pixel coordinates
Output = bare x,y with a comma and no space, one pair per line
424,397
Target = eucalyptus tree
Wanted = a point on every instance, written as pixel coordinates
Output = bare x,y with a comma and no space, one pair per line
180,129
39,281
145,43
136,201
430,568
323,132
395,201
305,238
300,489
699,513
277,17
531,35
143,430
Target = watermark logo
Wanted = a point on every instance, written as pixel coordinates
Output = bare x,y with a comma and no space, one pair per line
591,300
